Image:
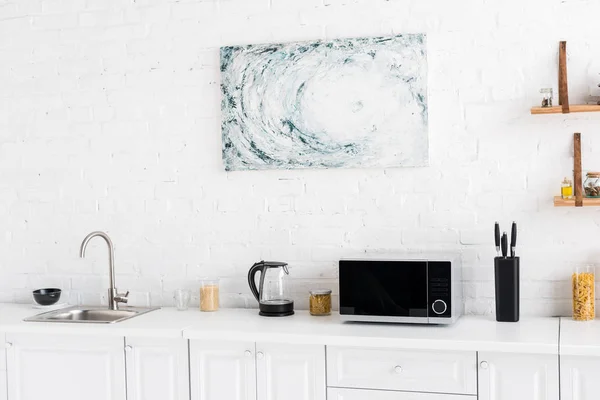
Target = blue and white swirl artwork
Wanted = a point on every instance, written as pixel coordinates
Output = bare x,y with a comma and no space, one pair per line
346,103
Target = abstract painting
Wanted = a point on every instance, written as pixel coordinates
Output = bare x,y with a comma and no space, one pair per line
345,103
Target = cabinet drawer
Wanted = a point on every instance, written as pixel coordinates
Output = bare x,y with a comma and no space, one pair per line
360,394
415,371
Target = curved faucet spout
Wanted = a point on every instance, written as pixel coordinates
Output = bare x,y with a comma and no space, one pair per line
90,237
113,296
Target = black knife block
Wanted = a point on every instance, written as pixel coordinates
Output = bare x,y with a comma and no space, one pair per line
507,279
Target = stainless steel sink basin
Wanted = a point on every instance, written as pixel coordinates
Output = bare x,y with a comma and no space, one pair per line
90,315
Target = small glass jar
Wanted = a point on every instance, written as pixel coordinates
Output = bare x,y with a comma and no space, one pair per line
583,283
566,189
591,185
209,294
320,302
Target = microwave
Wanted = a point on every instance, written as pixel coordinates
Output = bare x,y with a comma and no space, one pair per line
414,291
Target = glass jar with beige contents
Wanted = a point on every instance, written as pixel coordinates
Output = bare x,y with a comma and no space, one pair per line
583,281
209,295
591,185
320,302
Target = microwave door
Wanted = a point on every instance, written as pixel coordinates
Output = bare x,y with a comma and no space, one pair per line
375,297
383,288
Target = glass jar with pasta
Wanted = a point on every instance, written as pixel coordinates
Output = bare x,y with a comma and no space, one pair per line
320,302
583,283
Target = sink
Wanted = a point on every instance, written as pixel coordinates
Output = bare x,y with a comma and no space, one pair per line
89,315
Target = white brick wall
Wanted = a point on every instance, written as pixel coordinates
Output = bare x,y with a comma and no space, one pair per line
109,119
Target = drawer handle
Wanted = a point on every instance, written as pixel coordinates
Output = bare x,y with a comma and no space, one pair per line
8,345
260,355
484,365
398,369
248,353
128,348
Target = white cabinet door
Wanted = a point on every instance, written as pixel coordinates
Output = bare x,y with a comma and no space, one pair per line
65,367
290,372
358,394
222,370
505,376
157,369
579,377
3,381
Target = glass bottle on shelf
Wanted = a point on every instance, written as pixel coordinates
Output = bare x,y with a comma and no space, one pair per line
566,189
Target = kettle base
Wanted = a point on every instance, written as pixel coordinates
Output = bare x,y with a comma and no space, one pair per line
264,314
276,310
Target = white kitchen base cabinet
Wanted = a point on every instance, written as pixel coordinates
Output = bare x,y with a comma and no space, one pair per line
509,376
157,369
263,371
3,382
65,367
222,370
579,377
402,370
357,394
290,372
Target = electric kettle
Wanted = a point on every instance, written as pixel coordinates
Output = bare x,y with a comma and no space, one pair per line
272,293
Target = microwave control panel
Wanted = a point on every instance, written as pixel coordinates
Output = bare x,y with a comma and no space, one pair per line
439,289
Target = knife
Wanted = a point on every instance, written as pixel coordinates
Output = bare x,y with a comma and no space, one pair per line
504,244
497,237
513,240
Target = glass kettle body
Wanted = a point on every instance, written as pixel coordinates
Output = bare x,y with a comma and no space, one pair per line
272,293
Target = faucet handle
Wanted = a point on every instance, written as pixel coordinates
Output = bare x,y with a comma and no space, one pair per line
122,298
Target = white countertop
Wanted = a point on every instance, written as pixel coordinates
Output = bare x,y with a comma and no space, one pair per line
470,333
165,323
536,335
579,338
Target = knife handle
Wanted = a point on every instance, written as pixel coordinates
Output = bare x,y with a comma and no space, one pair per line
513,236
504,245
497,237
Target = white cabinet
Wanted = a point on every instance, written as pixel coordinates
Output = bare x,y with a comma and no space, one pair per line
356,394
65,367
157,369
579,377
263,371
507,376
409,370
222,370
290,372
3,382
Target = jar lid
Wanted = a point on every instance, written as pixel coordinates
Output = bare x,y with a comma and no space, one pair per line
320,291
593,174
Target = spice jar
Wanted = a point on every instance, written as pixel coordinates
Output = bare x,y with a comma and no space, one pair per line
566,189
209,295
591,186
320,302
583,283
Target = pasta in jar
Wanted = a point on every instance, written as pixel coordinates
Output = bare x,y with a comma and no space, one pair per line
583,283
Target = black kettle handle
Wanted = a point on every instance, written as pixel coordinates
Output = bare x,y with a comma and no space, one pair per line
257,267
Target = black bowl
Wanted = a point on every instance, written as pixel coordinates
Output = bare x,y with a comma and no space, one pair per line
46,297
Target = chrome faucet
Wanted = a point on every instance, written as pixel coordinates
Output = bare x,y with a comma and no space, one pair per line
114,298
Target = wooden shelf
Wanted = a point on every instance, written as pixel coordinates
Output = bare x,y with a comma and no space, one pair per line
564,107
579,108
559,202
